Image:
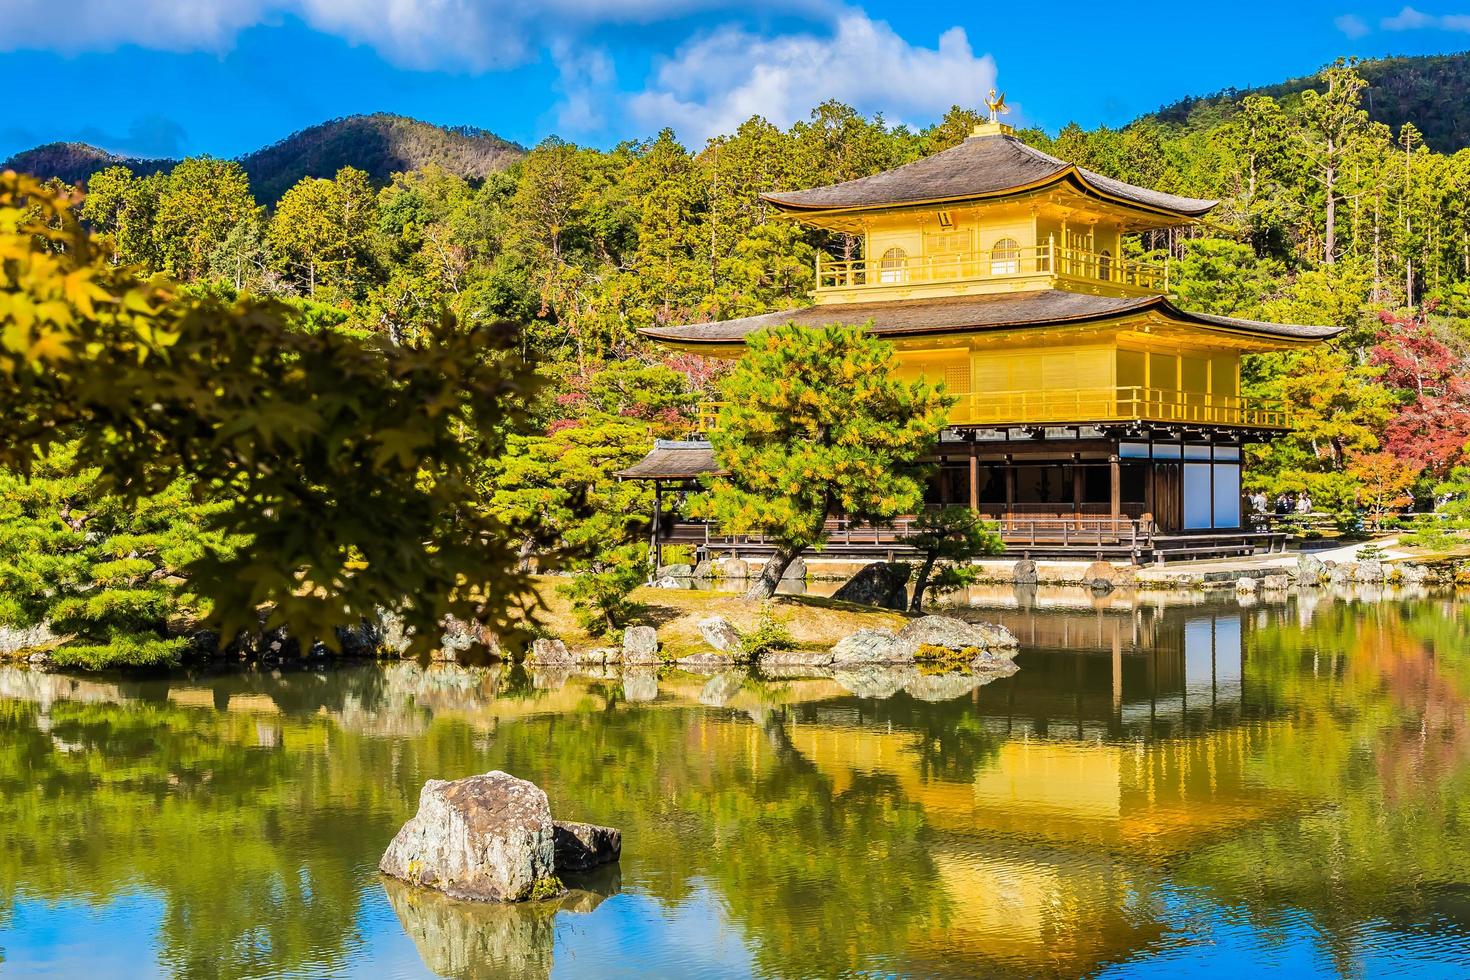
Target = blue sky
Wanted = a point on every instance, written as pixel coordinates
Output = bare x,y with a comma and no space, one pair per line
174,77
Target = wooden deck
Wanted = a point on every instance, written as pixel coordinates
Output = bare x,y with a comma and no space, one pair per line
1075,537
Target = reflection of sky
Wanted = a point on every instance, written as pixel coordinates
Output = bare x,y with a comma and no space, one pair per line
628,935
72,938
1215,940
632,935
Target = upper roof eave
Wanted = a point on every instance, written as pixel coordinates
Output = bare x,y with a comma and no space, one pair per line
980,168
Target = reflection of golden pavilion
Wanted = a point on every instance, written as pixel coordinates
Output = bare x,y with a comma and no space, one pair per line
1048,848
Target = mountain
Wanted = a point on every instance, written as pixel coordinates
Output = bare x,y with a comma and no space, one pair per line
1432,91
74,162
381,144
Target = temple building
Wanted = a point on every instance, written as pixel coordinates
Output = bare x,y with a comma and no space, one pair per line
1094,418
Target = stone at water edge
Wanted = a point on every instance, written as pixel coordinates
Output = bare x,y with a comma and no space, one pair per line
1104,576
549,653
1276,583
955,635
869,646
795,658
1369,571
733,568
706,661
704,571
1024,572
1245,585
720,634
1309,570
485,838
796,571
675,571
883,584
584,846
640,646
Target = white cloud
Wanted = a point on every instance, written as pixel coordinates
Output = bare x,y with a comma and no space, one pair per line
586,79
1352,25
717,81
475,35
1410,19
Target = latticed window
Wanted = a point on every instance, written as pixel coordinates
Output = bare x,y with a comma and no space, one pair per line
894,266
1005,257
1105,265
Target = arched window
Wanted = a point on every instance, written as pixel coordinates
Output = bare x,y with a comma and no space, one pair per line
1105,265
894,267
1005,258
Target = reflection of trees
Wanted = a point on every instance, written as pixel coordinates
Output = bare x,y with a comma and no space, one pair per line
256,828
1379,739
115,797
822,880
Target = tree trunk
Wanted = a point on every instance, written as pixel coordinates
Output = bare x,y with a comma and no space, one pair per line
1330,181
770,577
921,582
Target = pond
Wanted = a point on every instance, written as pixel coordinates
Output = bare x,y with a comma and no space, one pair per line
1160,788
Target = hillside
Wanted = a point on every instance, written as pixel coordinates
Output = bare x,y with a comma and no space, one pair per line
74,162
380,144
1432,90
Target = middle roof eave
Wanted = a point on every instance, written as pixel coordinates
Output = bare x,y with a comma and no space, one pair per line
897,318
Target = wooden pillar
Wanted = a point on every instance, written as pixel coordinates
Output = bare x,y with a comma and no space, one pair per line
1077,485
1115,481
974,475
1010,483
658,513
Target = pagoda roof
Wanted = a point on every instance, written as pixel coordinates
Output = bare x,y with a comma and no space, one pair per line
673,460
965,314
990,165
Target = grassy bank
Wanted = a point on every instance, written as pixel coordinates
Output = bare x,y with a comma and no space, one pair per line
813,621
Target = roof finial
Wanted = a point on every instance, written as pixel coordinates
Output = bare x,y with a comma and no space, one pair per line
997,106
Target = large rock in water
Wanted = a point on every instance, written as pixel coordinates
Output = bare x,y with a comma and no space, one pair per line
882,584
484,838
927,635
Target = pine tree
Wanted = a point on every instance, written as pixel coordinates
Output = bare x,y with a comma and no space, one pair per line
815,427
104,573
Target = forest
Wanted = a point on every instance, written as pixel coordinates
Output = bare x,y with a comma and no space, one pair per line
1326,217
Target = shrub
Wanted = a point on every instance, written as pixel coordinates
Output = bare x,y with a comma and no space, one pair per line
599,592
769,633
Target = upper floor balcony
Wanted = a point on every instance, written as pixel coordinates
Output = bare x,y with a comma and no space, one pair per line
1093,406
900,275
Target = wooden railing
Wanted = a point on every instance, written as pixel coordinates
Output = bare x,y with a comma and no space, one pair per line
1020,262
1120,404
1088,405
1019,529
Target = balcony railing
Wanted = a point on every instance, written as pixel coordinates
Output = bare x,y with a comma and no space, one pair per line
1121,404
1047,259
1088,405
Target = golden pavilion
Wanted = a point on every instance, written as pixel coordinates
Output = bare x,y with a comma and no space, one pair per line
1095,416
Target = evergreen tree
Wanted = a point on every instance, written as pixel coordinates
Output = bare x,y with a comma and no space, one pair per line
815,427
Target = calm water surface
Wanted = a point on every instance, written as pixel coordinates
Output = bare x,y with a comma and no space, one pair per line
1160,790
